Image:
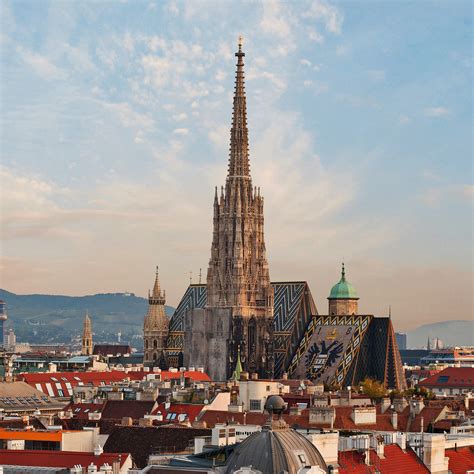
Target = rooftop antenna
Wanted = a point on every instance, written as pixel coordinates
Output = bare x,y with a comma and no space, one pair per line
191,277
200,275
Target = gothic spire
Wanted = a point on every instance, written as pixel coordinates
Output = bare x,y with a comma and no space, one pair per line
156,287
239,166
156,296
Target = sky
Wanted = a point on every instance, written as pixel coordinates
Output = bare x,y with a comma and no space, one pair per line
115,119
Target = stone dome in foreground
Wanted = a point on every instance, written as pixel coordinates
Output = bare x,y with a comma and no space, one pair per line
276,449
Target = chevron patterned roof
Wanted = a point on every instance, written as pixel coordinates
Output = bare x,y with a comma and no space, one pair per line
293,309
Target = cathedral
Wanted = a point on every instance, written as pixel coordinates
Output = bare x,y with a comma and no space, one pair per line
274,326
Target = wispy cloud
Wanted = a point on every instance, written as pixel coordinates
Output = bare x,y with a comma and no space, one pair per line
41,65
436,112
329,14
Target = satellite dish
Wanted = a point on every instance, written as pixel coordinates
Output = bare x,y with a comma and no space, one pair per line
206,401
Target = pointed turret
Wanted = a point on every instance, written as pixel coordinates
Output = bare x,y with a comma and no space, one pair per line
238,367
156,296
155,326
87,335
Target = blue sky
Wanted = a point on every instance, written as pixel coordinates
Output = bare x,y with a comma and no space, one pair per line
115,129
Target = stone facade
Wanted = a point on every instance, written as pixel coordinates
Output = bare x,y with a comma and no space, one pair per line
155,328
239,310
87,336
343,306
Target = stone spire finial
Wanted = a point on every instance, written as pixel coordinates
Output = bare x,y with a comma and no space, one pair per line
343,273
156,287
239,166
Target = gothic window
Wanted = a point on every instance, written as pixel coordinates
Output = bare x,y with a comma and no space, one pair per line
155,356
252,334
146,343
155,344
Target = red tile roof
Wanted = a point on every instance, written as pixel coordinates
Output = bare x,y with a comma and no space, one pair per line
194,375
135,409
65,459
395,461
172,414
51,383
461,460
82,410
111,349
143,441
453,377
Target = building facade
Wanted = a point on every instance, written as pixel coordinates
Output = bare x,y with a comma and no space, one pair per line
238,315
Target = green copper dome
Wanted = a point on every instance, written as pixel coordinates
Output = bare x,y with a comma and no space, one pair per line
343,290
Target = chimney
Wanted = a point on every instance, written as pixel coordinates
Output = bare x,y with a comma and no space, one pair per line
254,376
384,404
98,450
399,404
145,422
416,405
394,419
244,376
284,376
127,421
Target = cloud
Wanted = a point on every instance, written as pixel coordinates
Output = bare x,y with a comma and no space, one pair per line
330,15
220,75
129,117
436,112
439,194
315,36
41,65
181,131
274,22
180,117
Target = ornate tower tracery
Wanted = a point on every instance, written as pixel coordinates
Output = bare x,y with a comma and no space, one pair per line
87,336
238,277
155,327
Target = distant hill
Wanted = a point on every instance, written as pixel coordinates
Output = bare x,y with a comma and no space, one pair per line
452,333
49,318
55,318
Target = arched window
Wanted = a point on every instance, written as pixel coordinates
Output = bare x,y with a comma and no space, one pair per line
146,343
155,343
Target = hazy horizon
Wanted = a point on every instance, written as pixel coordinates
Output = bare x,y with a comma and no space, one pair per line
115,130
